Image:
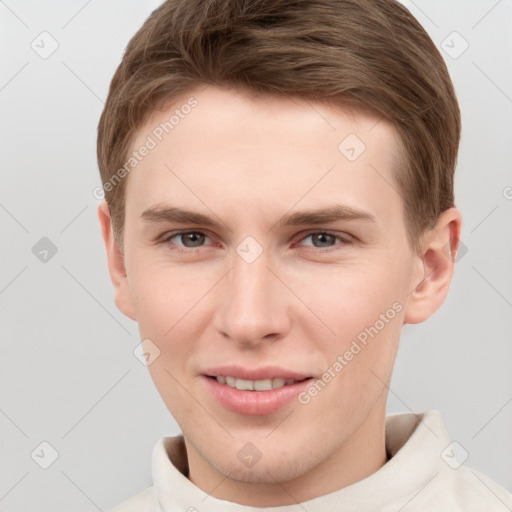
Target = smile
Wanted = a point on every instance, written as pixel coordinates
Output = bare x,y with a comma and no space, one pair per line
254,392
255,385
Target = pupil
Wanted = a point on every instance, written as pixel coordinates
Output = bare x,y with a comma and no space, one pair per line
194,238
322,237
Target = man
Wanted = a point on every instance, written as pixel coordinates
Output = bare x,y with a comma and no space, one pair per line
278,180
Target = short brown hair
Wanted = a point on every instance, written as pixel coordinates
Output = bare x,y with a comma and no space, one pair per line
366,53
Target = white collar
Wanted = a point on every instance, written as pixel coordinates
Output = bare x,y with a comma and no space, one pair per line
414,441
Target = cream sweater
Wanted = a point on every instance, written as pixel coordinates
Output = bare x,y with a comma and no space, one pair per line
422,475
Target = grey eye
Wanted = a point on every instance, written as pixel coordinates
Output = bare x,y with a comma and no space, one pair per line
191,239
321,239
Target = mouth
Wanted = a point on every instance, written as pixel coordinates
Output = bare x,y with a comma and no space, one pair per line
254,392
255,385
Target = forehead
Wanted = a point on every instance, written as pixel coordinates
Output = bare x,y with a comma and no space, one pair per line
220,148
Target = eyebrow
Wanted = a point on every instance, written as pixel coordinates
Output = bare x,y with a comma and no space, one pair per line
329,214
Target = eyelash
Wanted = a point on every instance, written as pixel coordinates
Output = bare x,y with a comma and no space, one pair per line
169,236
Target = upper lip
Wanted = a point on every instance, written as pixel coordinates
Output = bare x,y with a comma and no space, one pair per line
263,373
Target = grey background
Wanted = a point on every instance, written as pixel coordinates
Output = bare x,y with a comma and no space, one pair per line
68,373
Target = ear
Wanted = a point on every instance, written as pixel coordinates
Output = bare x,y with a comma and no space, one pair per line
115,264
438,255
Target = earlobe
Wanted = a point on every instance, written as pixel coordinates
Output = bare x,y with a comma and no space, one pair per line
116,264
439,249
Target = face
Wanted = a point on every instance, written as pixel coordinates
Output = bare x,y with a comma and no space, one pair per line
265,247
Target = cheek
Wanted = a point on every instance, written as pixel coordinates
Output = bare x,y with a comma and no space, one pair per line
170,308
169,314
163,298
364,310
350,299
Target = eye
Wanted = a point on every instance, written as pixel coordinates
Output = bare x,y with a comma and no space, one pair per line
326,239
189,239
196,239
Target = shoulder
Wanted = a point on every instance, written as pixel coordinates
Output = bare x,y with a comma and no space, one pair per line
462,489
145,501
474,491
432,477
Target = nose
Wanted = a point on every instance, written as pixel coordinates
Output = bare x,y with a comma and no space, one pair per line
254,305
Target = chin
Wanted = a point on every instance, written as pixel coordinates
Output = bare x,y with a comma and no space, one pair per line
267,470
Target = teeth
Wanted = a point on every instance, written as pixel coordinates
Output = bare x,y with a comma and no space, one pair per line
254,385
278,383
244,385
263,385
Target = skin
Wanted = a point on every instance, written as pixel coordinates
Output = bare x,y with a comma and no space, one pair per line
247,161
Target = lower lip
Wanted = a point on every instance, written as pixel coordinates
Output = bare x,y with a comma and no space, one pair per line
254,403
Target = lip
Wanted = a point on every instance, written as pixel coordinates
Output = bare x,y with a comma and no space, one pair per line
266,372
254,403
